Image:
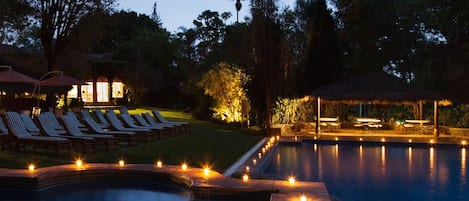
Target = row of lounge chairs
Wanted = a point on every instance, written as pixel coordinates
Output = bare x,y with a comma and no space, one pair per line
83,131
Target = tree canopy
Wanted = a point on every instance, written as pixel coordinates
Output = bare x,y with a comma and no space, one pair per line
285,51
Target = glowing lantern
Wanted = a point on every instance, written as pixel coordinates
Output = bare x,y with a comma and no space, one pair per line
31,167
159,164
303,198
383,140
206,171
291,180
410,140
463,143
79,163
245,178
184,166
121,163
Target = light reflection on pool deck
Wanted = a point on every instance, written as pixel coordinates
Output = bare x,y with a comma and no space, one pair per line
354,172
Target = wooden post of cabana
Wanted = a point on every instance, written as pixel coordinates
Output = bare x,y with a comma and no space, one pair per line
318,115
436,129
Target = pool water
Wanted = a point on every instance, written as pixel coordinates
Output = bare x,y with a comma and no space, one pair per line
355,172
103,192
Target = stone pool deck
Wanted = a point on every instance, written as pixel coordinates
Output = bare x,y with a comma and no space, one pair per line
203,186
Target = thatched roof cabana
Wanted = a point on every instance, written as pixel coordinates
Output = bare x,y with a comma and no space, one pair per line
377,88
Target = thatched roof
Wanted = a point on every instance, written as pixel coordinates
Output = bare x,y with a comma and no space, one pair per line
374,88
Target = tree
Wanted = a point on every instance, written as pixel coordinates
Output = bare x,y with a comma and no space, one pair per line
225,85
266,55
210,29
13,18
322,51
139,40
58,20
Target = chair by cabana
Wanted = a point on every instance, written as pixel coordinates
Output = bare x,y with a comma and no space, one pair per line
160,118
23,137
130,137
71,125
117,124
48,129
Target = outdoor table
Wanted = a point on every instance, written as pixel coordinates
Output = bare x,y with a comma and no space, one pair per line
420,124
368,122
329,122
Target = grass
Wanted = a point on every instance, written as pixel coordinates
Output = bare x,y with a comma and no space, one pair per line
208,144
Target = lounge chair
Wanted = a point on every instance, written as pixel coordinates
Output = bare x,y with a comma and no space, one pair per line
152,121
87,114
117,124
130,137
48,129
75,120
22,136
54,123
156,129
100,116
30,125
141,121
161,119
71,125
4,135
124,110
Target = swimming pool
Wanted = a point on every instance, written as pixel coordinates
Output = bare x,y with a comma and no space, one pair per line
103,191
354,172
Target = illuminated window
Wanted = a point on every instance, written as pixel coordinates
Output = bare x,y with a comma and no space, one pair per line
102,89
87,92
73,93
117,90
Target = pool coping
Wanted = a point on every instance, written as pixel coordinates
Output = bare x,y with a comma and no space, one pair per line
212,186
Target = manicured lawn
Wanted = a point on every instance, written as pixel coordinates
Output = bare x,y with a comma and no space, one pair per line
217,145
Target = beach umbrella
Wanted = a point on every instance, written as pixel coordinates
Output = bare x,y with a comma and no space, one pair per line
60,80
11,76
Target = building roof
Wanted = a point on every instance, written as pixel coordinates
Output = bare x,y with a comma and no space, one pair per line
377,87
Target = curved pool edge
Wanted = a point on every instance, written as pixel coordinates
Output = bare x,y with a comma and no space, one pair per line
211,186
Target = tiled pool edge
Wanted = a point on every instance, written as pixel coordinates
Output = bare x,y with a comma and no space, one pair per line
286,191
213,186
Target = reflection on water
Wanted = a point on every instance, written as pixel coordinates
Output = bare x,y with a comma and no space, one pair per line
463,166
387,173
